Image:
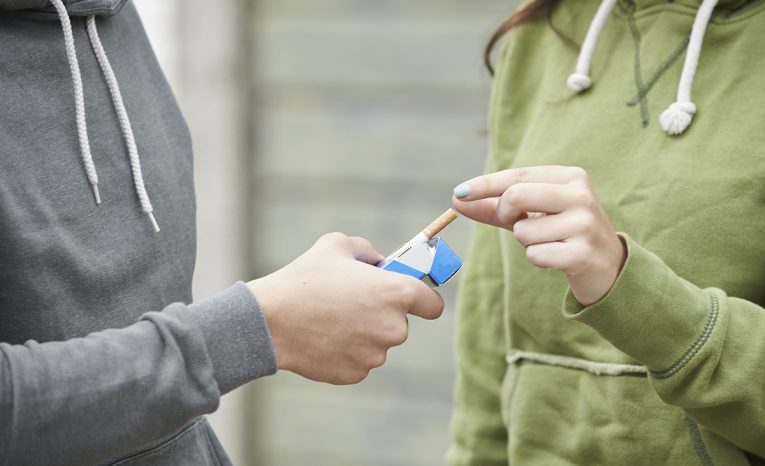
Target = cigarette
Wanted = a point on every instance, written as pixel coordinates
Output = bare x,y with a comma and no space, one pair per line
428,233
440,223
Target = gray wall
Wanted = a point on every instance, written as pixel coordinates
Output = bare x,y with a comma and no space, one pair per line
368,112
311,116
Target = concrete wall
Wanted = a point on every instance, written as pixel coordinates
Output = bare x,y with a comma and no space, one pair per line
368,112
322,115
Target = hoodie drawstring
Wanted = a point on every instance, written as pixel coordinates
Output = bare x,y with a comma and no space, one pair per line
675,119
79,98
119,106
580,80
122,115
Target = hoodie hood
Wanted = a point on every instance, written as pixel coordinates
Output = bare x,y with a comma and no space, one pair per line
679,114
721,4
74,7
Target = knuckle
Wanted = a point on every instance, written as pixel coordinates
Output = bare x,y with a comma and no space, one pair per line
358,376
505,213
487,185
520,175
578,173
345,376
399,333
588,221
583,197
580,225
376,359
513,194
334,237
522,231
579,258
362,241
408,293
534,255
394,333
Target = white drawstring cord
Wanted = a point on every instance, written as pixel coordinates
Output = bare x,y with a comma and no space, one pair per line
122,115
580,80
79,98
676,119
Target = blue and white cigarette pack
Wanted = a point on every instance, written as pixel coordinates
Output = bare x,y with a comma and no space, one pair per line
433,261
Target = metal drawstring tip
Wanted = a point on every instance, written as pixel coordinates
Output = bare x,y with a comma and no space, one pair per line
153,221
96,194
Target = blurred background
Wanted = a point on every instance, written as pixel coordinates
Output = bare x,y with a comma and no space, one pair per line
311,116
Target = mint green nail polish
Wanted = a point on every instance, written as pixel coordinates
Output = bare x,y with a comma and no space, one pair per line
462,191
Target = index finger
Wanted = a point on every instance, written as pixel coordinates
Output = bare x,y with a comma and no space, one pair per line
364,251
494,184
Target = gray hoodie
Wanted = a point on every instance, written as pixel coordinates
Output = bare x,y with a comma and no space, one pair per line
101,362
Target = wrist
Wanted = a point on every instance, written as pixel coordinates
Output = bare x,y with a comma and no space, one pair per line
588,288
270,299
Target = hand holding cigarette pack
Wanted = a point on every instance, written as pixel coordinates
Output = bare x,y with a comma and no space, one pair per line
426,256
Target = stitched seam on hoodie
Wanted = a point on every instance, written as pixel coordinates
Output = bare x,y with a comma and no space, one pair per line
568,362
697,345
630,10
213,451
698,442
644,88
643,93
721,20
159,448
510,399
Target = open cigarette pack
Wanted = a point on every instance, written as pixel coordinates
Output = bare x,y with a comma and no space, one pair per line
426,257
433,261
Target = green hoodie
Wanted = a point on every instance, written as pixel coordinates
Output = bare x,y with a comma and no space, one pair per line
669,367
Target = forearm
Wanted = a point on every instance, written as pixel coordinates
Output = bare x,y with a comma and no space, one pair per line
704,350
86,400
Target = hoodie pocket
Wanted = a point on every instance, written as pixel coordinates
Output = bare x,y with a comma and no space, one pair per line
195,445
561,416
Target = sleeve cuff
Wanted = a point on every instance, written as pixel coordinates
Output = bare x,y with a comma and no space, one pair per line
650,313
237,337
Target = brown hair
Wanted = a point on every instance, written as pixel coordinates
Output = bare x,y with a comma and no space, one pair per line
535,9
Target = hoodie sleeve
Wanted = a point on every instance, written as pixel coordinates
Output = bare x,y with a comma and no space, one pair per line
87,400
705,351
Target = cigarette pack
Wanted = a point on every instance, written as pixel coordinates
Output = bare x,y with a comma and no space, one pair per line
432,261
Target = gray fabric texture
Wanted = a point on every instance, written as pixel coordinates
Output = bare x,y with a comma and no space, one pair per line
102,359
43,8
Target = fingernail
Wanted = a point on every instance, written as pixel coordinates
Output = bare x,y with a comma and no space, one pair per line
462,191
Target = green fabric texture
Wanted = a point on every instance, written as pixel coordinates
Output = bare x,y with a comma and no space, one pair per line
688,304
